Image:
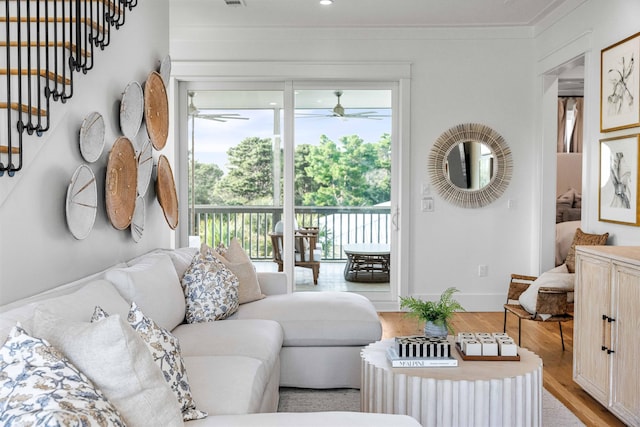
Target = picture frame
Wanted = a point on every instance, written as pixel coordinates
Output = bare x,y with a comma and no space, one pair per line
620,85
618,190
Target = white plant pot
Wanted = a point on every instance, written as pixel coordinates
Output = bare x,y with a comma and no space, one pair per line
435,331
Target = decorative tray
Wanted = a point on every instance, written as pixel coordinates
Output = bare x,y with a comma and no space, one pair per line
131,109
486,358
137,222
145,168
82,202
165,69
92,137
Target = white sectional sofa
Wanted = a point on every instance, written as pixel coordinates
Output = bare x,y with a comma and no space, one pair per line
234,366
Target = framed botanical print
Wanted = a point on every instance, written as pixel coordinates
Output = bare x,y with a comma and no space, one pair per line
618,196
620,85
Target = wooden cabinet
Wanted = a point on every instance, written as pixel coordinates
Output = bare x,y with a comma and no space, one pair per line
606,342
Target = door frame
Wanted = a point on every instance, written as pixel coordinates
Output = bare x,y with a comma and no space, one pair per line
196,75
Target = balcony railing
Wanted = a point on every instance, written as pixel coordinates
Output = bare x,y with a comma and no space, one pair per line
337,226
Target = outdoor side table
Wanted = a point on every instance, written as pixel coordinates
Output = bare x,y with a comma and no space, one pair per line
367,262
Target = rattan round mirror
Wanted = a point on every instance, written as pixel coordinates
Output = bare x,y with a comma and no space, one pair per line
470,165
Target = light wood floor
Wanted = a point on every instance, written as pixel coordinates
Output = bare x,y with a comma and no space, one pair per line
543,339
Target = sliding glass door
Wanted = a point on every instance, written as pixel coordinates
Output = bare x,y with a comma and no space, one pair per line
342,184
320,155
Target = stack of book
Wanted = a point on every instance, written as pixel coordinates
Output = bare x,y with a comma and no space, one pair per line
420,352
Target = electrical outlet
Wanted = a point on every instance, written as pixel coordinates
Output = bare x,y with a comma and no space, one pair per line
427,204
483,270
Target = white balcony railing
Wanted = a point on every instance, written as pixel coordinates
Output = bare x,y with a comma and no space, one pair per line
337,226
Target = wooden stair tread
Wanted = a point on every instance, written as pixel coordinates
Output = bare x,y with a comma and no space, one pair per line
66,45
4,150
24,108
51,20
110,3
42,73
85,31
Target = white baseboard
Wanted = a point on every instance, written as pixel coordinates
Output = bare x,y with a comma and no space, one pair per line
470,302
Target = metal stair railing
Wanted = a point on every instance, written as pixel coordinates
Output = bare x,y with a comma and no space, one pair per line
46,43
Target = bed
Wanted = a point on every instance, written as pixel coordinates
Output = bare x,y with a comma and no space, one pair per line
568,201
569,187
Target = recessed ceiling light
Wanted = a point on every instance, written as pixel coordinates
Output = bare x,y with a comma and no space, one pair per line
326,2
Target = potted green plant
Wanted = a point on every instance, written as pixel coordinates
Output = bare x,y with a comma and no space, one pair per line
436,315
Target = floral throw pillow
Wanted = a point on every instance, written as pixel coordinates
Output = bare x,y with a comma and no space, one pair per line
210,289
39,386
166,352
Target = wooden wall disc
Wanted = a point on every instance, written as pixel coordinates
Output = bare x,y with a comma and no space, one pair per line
156,110
166,190
121,183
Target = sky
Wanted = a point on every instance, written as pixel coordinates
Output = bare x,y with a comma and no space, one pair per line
213,138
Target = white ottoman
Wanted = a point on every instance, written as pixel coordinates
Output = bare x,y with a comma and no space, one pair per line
323,335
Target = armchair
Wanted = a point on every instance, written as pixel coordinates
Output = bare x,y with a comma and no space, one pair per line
306,253
551,304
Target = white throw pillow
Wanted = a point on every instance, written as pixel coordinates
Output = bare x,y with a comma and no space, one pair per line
77,306
166,352
154,285
182,258
237,260
39,386
210,290
551,279
112,355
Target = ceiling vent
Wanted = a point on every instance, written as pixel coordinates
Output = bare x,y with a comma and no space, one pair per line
235,3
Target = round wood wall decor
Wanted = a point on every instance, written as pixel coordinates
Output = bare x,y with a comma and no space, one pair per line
121,183
166,191
156,110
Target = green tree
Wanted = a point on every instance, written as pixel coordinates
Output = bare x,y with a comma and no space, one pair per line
207,176
250,177
304,183
378,178
354,173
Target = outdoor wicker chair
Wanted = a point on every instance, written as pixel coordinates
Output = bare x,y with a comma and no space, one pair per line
306,253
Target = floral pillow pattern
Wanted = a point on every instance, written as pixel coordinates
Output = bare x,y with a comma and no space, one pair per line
39,386
210,289
166,352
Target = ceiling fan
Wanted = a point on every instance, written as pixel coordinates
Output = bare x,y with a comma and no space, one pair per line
196,113
339,111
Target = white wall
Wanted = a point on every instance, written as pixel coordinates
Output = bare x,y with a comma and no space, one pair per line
492,76
37,251
457,75
591,27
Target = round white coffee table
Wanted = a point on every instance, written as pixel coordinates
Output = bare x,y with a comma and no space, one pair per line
478,393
